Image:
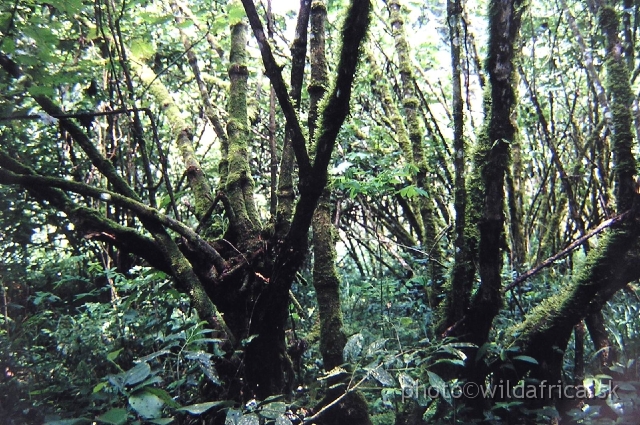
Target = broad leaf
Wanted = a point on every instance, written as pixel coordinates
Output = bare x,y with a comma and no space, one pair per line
114,416
148,405
353,348
137,374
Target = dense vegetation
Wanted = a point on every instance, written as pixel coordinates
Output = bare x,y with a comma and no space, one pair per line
351,212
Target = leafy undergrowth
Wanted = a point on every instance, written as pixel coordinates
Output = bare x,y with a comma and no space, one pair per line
132,351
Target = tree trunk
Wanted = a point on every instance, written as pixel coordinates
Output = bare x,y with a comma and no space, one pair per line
463,274
353,409
491,162
410,103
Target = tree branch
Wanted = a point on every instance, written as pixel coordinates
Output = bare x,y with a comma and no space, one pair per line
88,222
97,159
575,244
333,114
143,211
298,141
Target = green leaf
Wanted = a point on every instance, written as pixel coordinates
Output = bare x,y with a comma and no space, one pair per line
236,12
353,347
382,376
113,355
161,421
153,355
147,383
233,417
455,362
407,382
70,7
283,420
99,387
438,383
250,419
376,346
273,410
142,49
114,416
147,404
164,396
406,321
200,408
430,413
527,359
137,374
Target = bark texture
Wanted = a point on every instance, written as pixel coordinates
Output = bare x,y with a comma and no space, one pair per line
491,162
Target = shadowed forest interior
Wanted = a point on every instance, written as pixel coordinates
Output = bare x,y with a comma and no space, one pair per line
332,212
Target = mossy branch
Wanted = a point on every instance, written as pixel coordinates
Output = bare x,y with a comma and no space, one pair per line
88,221
140,209
333,113
183,134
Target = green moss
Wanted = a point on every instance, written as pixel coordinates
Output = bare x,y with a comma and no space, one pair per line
182,133
619,88
239,182
600,273
411,102
608,19
383,418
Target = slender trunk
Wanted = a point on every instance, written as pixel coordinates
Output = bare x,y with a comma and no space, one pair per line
410,103
491,162
354,409
285,192
600,338
463,271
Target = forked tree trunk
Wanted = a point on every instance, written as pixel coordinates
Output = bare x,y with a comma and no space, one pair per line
353,409
238,282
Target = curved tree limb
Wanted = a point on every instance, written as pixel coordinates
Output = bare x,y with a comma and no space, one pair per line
97,159
88,222
180,267
143,211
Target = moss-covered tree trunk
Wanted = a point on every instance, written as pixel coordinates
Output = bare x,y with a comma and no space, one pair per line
426,214
491,164
457,300
353,410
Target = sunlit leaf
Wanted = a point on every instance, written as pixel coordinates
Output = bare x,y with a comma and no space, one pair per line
353,347
200,408
147,405
114,416
527,359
